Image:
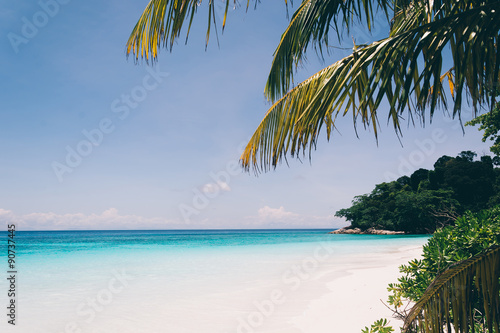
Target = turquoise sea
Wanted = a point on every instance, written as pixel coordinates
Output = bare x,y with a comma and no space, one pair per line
170,281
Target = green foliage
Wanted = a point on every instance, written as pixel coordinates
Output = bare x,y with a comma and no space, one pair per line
465,296
432,46
490,123
471,234
428,199
405,70
471,181
379,326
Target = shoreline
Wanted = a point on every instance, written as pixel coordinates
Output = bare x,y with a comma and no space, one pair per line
315,286
354,300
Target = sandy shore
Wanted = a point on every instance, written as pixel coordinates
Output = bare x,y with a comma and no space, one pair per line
301,288
354,300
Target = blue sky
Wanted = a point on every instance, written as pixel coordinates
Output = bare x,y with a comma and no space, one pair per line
164,140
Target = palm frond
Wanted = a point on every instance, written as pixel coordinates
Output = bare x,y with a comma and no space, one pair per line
387,69
448,300
311,23
161,23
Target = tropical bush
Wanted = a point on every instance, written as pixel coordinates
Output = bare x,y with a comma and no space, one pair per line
464,298
490,123
379,326
472,234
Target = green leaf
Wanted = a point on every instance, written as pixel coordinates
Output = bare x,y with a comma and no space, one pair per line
447,300
387,69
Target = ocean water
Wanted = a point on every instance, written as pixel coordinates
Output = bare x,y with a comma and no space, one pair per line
174,281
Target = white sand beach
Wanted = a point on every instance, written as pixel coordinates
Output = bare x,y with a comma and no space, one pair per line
340,294
295,288
355,300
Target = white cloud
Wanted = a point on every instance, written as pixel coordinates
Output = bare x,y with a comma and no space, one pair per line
267,213
281,218
108,220
212,188
111,219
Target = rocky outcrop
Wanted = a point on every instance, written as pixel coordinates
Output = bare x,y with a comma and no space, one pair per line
347,230
370,231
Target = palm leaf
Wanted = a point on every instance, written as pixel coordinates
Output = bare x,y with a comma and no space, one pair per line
161,23
311,23
448,299
387,69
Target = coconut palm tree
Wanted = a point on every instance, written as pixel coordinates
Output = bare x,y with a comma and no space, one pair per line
406,69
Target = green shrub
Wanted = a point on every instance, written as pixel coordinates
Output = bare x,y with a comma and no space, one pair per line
379,326
471,234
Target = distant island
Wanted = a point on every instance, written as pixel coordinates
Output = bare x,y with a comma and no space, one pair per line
427,199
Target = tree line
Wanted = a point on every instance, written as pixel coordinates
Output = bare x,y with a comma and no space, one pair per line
429,199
